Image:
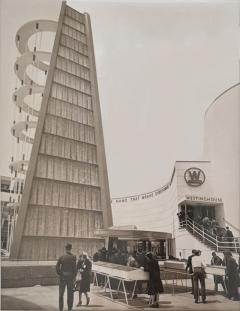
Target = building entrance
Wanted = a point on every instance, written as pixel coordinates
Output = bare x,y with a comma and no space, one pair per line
209,215
197,212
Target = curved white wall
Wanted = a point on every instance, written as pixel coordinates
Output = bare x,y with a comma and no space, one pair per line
158,212
155,213
222,147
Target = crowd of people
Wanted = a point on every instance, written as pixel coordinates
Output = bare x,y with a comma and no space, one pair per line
76,274
137,259
211,228
230,283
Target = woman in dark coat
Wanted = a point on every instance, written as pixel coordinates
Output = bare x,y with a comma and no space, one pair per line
84,265
155,284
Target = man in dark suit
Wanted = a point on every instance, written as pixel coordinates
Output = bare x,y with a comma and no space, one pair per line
66,269
189,268
229,238
140,258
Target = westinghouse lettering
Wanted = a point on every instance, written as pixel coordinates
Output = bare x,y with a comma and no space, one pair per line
202,198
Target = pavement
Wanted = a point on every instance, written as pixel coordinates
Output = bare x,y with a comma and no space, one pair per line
46,298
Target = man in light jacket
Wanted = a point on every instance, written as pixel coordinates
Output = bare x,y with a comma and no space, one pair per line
199,274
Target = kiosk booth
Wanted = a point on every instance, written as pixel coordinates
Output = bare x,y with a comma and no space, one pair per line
128,239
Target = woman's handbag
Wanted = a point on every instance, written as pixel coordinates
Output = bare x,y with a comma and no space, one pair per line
77,281
78,276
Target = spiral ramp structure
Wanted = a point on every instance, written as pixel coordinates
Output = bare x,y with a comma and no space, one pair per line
31,69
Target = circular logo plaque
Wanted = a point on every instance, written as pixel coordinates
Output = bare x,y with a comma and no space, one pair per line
194,177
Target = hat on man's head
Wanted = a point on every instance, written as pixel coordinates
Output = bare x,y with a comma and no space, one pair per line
149,255
227,253
85,254
68,246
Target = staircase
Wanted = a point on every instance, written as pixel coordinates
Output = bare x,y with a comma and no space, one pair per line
214,242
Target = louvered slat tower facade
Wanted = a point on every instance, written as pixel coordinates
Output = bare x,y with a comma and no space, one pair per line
66,194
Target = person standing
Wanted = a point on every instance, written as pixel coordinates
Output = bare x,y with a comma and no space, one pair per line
180,219
140,257
238,261
190,214
104,254
229,238
189,268
84,265
218,279
131,262
205,223
141,261
66,269
155,286
183,215
232,277
199,274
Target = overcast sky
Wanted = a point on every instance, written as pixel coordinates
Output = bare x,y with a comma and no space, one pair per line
159,64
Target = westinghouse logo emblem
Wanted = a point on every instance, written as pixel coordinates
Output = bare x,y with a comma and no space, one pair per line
194,177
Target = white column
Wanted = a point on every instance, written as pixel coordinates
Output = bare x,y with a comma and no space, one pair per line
166,245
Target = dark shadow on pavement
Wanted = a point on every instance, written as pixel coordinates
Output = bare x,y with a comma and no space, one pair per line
91,306
160,307
12,303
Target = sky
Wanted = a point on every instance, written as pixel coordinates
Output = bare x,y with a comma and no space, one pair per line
159,66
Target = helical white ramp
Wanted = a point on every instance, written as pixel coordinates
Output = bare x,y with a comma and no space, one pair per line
31,69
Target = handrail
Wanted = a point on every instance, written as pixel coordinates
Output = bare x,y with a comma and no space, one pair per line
203,234
209,233
232,244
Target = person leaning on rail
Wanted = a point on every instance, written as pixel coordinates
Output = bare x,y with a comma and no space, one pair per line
199,274
189,268
218,279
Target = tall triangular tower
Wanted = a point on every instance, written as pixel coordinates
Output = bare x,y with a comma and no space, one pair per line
66,193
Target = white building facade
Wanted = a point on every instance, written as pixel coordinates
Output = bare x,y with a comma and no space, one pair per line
207,188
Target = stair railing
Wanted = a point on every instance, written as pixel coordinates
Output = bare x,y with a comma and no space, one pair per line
201,232
206,236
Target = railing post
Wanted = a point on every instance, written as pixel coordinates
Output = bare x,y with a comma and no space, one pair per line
8,233
216,239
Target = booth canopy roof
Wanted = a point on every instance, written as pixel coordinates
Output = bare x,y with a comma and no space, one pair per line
133,234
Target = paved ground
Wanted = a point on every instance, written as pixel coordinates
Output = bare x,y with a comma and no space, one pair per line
46,298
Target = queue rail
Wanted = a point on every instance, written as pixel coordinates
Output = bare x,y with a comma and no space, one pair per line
171,272
122,274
